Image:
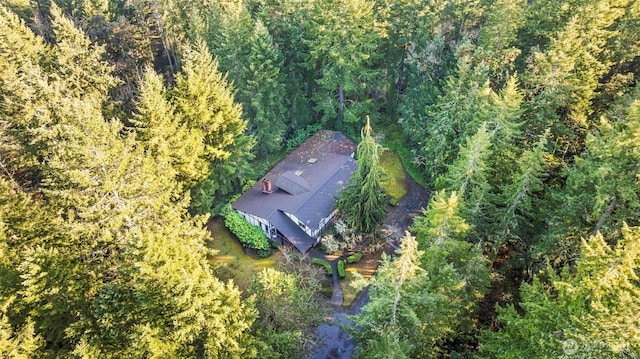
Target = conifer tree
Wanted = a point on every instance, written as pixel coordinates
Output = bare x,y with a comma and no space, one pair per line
363,201
78,62
468,175
115,267
228,30
601,190
22,92
564,77
592,309
504,123
286,21
429,292
468,171
411,52
497,43
519,195
164,133
456,266
343,39
457,113
205,102
442,219
21,344
398,297
205,99
264,93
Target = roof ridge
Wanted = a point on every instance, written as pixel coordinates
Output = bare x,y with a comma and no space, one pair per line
313,192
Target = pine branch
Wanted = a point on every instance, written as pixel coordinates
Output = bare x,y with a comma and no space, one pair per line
604,216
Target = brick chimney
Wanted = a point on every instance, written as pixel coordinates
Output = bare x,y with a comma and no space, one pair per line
266,186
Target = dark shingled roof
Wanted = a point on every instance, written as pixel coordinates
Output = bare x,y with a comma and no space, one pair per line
324,165
293,183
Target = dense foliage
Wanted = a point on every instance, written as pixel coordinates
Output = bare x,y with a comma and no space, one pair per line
362,202
122,121
100,256
289,306
249,235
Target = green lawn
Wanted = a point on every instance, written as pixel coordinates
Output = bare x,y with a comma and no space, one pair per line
396,182
231,262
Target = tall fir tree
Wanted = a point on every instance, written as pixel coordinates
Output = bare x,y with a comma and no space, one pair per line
205,101
519,195
429,292
588,312
468,175
115,266
343,39
397,301
362,203
264,94
286,21
563,77
164,133
601,188
457,267
457,113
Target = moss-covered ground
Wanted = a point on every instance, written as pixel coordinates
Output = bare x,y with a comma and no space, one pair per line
232,262
396,181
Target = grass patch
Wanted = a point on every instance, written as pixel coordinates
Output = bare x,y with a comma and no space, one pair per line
354,258
231,262
396,182
396,141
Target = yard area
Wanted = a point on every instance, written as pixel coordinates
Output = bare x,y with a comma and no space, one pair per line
396,181
232,262
396,184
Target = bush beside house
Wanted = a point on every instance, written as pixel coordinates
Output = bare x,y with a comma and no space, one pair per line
249,235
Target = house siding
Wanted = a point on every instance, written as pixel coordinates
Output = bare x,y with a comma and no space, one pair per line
312,232
324,221
259,222
299,223
323,165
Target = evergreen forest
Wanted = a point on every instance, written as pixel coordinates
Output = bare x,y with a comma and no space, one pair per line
126,124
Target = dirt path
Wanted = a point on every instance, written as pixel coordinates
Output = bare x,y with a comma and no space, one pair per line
333,341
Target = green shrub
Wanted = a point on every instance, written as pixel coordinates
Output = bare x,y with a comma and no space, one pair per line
249,235
324,263
354,258
263,253
302,135
393,202
341,271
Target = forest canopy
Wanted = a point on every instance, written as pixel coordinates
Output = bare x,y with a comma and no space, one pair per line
125,124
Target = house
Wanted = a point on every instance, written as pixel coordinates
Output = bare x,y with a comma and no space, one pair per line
295,201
